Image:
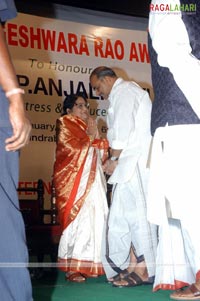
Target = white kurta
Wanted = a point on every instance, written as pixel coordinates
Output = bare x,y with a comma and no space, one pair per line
129,129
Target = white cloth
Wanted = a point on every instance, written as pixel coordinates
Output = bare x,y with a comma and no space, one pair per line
127,225
173,196
174,190
174,173
174,268
82,239
171,42
129,129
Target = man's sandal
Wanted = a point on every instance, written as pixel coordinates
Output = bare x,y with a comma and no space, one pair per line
119,276
131,280
189,293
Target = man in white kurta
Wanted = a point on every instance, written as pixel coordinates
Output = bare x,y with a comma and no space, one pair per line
129,139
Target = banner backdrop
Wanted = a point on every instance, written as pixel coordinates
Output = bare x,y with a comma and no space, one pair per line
55,57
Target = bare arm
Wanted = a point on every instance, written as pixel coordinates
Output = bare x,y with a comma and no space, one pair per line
8,81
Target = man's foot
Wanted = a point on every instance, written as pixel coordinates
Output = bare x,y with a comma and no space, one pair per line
131,280
119,276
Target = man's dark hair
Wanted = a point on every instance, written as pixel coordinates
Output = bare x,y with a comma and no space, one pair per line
103,71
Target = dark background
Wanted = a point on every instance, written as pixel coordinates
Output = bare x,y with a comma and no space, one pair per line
136,8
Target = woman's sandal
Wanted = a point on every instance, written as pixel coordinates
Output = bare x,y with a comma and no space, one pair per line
189,293
93,276
75,277
131,280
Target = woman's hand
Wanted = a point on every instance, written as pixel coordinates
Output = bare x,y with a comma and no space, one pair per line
92,128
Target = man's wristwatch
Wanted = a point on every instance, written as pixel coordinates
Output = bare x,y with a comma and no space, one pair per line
113,158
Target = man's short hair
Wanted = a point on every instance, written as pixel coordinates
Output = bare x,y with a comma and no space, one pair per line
103,71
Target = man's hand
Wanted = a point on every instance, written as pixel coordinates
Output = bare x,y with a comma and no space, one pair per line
109,166
20,124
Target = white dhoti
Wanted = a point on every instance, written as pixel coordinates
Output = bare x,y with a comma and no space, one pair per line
128,226
173,202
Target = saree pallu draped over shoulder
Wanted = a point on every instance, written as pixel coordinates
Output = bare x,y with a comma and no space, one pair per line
72,148
71,153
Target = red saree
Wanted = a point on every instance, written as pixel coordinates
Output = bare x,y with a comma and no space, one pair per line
71,152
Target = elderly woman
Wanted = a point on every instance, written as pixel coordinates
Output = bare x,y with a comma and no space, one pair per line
80,190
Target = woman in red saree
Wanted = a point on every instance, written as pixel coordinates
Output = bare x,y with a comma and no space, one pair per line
80,190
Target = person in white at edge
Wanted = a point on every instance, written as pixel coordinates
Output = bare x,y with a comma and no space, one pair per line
174,190
131,240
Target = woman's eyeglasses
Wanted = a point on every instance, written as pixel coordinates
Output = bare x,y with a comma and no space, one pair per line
82,105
